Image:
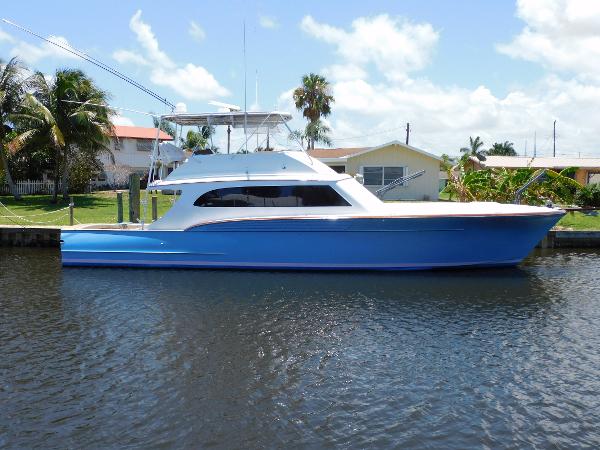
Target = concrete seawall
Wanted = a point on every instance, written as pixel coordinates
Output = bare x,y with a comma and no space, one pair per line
29,237
50,237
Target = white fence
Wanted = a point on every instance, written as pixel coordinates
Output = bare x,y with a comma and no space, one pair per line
27,187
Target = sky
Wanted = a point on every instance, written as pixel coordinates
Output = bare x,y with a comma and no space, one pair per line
502,70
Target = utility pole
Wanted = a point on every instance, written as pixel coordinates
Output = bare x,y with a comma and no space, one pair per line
407,132
554,137
534,144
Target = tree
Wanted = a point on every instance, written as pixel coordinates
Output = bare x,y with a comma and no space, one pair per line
502,149
11,94
314,133
314,99
67,114
447,162
195,140
165,126
473,149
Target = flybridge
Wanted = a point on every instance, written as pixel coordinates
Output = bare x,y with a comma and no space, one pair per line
235,119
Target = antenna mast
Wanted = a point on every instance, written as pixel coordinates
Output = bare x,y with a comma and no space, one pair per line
245,92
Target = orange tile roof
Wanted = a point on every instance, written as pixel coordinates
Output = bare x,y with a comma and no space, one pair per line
122,131
335,152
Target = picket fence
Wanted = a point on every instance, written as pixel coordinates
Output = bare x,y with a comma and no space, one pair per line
27,187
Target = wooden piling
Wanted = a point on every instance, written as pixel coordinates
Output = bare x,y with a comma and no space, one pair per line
119,207
71,207
154,208
134,198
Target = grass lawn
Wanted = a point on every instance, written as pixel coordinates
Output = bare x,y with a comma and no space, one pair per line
99,207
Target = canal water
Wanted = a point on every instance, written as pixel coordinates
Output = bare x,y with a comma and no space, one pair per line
109,358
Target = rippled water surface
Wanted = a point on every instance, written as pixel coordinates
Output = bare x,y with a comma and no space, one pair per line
158,358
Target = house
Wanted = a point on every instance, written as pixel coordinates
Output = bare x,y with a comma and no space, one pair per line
382,164
131,148
588,169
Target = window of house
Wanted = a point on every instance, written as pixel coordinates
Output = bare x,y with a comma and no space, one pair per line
272,196
593,177
380,176
144,145
338,169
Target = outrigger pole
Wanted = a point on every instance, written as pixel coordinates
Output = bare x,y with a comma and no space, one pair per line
95,62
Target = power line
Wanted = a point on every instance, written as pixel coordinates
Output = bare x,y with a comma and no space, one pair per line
95,62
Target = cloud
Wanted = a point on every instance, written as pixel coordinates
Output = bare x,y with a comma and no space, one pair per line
196,31
368,112
190,81
562,35
118,119
395,46
5,37
31,54
268,22
125,56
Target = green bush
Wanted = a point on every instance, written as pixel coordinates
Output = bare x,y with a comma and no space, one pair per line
588,195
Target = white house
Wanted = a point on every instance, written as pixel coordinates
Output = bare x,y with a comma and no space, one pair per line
382,164
131,148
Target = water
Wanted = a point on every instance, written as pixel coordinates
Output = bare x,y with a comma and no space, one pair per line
160,358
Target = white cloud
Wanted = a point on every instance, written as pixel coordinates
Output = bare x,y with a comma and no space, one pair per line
118,119
190,81
196,31
126,56
31,54
394,45
560,34
442,117
5,37
268,22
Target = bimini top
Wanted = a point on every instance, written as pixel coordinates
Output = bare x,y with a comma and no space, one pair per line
264,166
237,119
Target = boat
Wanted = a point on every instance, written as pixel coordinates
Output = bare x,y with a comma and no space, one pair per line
286,210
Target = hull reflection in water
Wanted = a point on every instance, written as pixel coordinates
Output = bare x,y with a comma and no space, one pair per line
317,244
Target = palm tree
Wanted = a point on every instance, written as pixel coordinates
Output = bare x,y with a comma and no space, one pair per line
70,115
315,132
474,149
314,98
11,93
165,126
41,128
502,149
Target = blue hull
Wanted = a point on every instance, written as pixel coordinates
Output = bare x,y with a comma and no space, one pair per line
317,244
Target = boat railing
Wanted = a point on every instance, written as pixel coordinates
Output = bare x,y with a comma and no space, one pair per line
523,188
398,182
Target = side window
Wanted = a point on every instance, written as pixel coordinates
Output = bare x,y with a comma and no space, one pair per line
272,196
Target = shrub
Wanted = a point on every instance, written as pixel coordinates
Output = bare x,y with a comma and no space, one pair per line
588,195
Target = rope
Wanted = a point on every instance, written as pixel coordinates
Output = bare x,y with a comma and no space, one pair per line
25,218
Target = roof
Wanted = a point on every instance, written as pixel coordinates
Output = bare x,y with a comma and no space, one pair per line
343,154
558,162
335,152
237,119
122,131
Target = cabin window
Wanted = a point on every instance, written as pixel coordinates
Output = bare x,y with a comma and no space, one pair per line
381,176
272,196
